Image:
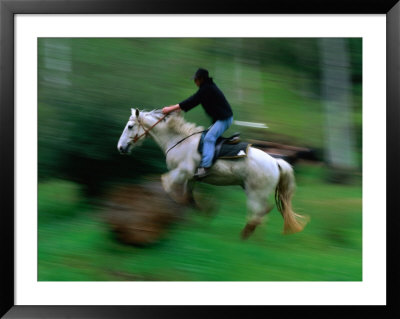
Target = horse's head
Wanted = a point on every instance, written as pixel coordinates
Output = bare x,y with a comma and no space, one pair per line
133,129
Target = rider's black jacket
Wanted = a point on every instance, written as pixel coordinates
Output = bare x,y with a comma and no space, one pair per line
212,100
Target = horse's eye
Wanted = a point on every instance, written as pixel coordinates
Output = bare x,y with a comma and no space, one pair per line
130,127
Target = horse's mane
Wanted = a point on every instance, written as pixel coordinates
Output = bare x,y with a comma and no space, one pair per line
177,123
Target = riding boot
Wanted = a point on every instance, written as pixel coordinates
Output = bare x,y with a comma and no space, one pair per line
202,172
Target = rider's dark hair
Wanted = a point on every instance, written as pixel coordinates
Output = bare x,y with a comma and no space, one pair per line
201,74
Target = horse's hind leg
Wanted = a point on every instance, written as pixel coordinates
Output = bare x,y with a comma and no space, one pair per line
258,206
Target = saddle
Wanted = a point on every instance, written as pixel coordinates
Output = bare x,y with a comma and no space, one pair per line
226,147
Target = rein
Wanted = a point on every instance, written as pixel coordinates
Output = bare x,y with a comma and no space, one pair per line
182,141
146,132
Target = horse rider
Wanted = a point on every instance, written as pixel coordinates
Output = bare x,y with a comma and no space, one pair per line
216,106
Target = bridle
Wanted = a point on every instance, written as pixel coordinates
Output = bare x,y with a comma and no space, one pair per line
146,132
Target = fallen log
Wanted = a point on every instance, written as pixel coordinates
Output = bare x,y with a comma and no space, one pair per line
140,214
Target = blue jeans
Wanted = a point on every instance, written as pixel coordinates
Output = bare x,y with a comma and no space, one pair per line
216,130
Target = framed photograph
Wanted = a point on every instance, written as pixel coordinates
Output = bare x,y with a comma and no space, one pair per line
119,198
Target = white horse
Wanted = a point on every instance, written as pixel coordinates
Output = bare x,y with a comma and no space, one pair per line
258,173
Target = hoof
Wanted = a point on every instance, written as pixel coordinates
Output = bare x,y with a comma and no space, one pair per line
176,194
247,231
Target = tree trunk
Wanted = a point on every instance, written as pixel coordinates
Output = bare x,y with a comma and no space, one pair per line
336,89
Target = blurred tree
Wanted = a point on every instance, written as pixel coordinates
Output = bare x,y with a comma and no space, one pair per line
337,89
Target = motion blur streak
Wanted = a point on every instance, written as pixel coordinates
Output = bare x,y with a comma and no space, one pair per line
104,216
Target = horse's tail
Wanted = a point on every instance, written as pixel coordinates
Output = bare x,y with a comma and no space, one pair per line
293,222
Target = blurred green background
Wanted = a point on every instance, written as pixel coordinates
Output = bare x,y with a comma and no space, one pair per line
307,91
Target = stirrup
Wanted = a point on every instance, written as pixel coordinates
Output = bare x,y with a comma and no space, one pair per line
202,172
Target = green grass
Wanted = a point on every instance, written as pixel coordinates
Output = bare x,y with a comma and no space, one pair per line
78,245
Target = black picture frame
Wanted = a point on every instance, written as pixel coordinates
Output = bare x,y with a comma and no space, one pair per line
8,9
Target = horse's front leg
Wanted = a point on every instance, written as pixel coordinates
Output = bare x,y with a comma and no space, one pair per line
175,183
188,193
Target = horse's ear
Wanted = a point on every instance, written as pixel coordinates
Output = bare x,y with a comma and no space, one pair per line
137,113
